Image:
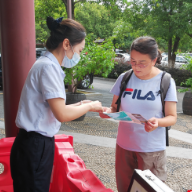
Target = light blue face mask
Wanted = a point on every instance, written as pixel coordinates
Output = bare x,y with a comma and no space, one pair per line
69,63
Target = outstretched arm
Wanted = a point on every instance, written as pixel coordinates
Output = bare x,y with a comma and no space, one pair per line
81,102
64,113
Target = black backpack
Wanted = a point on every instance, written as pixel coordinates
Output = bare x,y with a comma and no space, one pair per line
165,82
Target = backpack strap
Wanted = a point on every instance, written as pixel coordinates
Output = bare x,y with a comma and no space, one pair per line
164,86
124,82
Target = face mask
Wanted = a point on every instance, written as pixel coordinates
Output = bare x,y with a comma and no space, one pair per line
69,63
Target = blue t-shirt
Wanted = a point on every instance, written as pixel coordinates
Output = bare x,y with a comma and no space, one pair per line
141,97
44,81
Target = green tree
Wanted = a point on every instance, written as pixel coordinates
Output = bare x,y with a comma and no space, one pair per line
44,8
95,58
72,5
169,20
124,34
110,4
185,44
95,18
115,8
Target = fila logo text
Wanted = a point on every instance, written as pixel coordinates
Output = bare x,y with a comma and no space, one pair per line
137,94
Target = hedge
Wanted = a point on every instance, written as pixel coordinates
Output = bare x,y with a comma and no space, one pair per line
179,75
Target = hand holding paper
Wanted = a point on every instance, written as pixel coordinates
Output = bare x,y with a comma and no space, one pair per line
106,110
151,124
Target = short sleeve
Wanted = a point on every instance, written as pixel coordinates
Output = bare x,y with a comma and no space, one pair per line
171,93
116,87
52,85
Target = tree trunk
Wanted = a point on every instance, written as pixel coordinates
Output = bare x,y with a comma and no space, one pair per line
171,52
171,63
72,6
71,88
65,3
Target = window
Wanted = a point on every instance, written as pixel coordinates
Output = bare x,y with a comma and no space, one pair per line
119,55
181,59
177,59
165,59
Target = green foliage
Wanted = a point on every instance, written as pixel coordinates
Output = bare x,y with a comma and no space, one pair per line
124,35
95,58
162,44
188,82
43,9
118,70
115,11
95,18
166,20
114,8
186,44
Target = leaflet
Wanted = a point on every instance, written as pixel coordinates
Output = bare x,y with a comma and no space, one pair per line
127,117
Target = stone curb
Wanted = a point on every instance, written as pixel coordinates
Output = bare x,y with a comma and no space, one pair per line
89,93
111,142
179,135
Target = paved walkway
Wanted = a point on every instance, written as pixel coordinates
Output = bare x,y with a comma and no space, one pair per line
98,152
95,140
111,142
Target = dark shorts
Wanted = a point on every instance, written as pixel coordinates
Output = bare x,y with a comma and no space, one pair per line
31,162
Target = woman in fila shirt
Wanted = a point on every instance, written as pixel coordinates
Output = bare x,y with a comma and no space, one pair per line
143,146
42,107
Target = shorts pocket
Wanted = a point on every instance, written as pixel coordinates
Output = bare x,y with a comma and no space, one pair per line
161,160
160,168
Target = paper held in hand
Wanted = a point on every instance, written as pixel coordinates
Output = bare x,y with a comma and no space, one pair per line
127,117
